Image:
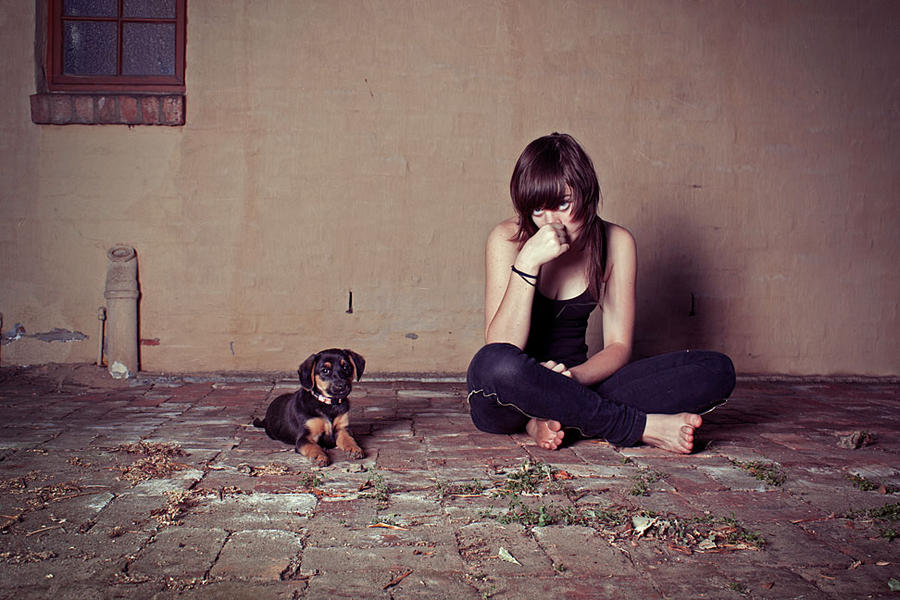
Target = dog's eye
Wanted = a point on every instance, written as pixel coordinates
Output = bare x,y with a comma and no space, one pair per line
326,371
346,369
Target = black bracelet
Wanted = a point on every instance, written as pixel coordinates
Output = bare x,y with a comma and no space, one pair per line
525,276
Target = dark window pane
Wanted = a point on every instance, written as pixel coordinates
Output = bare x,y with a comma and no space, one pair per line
91,8
148,49
89,48
152,9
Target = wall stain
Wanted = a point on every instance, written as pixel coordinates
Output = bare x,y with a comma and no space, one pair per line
54,335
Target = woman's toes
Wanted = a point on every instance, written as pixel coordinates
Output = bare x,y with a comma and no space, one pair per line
546,434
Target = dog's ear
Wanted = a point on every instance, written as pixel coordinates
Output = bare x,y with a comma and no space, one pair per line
359,363
306,371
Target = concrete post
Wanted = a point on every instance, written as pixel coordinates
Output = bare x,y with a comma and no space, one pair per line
122,312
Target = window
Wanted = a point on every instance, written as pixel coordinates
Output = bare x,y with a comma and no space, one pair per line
116,45
110,62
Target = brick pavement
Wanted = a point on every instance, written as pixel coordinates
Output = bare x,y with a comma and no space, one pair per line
160,488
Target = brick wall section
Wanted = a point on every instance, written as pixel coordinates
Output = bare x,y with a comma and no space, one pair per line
107,109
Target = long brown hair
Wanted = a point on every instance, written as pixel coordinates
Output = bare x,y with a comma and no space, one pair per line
539,180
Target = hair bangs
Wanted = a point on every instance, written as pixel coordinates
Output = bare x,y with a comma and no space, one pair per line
543,187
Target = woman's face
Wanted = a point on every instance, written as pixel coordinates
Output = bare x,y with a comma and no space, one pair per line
562,214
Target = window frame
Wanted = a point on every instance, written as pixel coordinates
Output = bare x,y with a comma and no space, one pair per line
57,81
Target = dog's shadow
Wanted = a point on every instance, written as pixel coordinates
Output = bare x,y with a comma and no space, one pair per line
379,419
368,429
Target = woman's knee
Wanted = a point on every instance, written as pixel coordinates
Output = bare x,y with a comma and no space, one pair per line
495,364
722,369
489,416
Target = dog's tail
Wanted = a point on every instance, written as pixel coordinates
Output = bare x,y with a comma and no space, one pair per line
259,422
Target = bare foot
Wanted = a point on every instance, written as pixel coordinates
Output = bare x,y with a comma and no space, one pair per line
548,434
674,433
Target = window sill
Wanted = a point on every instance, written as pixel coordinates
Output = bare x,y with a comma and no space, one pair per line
107,109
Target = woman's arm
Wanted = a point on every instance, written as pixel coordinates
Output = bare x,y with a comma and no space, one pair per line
618,310
508,297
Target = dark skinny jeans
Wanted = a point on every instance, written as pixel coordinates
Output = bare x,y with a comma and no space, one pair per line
508,387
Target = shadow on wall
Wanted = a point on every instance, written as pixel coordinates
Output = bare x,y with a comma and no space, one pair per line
679,304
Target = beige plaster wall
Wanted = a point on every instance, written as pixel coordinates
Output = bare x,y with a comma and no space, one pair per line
364,146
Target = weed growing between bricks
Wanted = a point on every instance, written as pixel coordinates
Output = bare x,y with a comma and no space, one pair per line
739,588
867,485
531,478
769,473
380,490
474,488
644,480
523,488
884,519
619,523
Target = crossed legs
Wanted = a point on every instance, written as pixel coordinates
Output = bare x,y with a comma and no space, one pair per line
657,401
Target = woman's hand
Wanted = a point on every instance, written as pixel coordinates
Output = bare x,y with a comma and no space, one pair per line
549,242
557,368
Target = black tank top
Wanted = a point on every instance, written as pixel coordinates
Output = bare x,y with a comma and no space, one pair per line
559,327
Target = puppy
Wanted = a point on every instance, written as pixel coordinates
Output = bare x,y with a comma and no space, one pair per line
318,414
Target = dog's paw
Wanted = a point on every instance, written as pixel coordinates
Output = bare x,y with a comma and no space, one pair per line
352,449
314,453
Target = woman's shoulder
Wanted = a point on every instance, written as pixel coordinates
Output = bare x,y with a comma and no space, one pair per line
502,247
618,237
504,232
615,229
507,227
621,250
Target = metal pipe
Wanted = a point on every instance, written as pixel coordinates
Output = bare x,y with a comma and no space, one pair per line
122,295
101,316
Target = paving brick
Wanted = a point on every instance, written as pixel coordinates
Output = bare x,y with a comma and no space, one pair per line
733,478
253,511
768,506
666,503
63,590
789,545
257,554
864,581
857,539
180,553
232,590
480,543
355,583
375,566
595,587
581,552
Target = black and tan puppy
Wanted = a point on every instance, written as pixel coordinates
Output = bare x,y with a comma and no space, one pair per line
318,414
